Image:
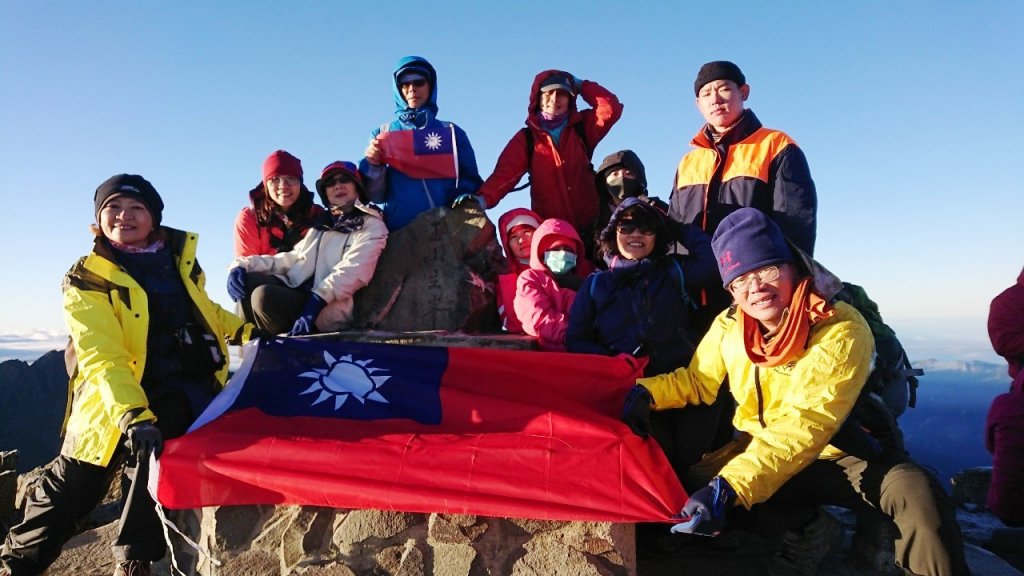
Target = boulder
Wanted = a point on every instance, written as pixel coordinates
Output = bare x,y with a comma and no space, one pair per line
437,273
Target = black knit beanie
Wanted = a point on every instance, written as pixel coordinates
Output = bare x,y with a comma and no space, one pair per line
718,70
130,185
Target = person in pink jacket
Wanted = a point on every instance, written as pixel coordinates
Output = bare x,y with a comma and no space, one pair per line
545,291
1004,427
515,229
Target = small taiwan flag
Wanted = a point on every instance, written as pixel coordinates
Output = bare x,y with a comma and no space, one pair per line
428,152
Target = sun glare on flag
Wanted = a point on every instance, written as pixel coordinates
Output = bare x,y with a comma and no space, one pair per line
344,378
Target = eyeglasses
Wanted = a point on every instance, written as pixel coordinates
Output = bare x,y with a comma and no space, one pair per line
279,181
339,179
764,275
627,229
417,83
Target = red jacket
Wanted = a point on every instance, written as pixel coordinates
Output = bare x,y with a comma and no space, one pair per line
1006,325
561,175
1004,438
505,287
252,239
541,304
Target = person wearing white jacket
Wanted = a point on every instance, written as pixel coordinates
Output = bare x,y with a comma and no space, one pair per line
311,288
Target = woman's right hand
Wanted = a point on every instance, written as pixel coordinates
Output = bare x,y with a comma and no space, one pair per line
374,154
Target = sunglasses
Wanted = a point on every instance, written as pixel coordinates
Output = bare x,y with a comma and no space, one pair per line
627,229
417,83
339,179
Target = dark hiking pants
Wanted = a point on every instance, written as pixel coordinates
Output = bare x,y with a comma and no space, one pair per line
929,542
70,489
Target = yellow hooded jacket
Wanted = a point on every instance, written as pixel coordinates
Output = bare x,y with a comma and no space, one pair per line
790,411
107,314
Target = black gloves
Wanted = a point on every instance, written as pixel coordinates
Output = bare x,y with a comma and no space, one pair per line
704,511
144,438
637,411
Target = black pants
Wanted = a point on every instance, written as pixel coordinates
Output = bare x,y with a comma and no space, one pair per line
270,304
69,489
929,541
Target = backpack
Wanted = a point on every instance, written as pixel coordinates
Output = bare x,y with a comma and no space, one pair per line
892,385
528,135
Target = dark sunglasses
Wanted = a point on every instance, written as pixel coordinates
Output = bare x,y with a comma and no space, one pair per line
418,83
627,229
339,179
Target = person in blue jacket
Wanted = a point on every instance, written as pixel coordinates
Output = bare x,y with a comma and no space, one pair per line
402,195
642,305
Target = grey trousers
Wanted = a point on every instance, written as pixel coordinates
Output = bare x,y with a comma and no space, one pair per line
929,541
270,304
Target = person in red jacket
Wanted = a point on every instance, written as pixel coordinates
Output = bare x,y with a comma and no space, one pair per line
280,212
1004,427
556,148
545,291
1006,325
515,228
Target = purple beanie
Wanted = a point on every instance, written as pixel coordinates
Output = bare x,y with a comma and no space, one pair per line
747,240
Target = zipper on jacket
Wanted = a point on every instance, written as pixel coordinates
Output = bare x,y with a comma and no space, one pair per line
760,396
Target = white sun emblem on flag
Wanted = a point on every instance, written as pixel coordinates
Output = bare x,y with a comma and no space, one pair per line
432,141
344,378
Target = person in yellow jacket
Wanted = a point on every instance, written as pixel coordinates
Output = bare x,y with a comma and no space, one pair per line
796,363
149,347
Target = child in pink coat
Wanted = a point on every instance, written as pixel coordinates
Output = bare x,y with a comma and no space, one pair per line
545,291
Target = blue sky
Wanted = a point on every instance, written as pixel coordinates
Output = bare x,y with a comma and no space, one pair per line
909,114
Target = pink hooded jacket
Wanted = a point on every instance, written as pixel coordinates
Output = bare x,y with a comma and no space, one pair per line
505,287
541,304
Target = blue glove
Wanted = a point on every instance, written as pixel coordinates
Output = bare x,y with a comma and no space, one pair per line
144,438
704,511
306,324
577,83
636,412
236,283
464,198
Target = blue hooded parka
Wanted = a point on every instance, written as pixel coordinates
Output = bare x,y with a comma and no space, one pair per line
402,197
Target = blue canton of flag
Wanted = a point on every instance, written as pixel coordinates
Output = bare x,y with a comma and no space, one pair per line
434,138
349,380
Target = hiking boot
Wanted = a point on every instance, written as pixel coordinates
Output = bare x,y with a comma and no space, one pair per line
132,568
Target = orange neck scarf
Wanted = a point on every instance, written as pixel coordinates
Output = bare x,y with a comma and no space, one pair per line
806,310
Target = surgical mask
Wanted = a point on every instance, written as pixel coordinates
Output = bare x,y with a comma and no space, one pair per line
621,188
559,261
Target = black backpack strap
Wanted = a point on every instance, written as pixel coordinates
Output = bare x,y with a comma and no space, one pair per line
581,131
528,136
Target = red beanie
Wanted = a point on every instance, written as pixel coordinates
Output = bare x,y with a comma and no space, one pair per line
281,163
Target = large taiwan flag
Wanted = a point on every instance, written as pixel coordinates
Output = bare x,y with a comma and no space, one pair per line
428,152
422,429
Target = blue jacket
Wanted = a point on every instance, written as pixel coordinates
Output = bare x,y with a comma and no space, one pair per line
403,198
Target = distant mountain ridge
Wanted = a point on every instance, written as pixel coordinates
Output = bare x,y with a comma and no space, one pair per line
34,399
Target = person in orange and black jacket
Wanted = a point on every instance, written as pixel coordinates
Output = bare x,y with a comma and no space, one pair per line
739,163
556,147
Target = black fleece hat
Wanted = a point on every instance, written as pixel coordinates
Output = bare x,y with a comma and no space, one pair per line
718,70
130,185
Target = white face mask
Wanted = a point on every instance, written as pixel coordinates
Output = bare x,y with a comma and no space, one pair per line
559,261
